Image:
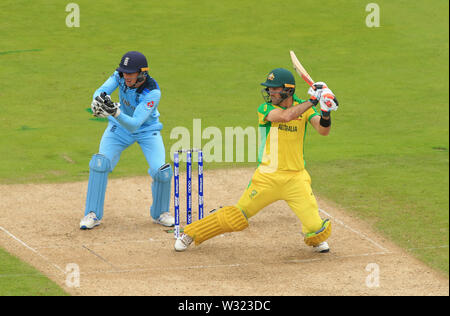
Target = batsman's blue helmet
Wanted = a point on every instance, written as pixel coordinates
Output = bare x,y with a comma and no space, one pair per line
133,62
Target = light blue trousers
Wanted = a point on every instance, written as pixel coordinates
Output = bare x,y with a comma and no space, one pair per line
114,141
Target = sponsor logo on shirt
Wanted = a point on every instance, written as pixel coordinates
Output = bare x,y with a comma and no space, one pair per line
150,104
287,128
127,103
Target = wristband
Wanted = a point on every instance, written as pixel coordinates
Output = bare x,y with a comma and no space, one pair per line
313,100
325,113
325,123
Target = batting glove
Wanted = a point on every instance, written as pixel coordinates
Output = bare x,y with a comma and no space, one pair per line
328,102
316,91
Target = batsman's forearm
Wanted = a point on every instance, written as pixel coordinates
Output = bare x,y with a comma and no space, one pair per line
295,111
324,125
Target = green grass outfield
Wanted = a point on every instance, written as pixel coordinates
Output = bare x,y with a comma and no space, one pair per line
387,157
18,278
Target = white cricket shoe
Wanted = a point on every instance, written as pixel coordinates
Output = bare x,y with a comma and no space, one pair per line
89,221
322,247
165,219
182,243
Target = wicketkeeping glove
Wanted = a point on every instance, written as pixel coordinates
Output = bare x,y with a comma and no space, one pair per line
97,109
107,105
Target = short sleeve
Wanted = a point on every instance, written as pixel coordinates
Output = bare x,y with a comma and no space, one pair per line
263,111
310,113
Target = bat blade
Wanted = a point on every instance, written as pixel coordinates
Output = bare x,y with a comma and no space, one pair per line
300,69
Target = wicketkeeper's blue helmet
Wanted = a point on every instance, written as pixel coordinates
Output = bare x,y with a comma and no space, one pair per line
133,62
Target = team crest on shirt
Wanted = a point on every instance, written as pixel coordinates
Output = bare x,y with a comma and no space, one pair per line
150,104
252,195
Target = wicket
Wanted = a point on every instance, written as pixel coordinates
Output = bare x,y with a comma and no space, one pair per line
176,174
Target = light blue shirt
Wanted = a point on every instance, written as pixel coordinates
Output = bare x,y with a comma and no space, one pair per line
138,107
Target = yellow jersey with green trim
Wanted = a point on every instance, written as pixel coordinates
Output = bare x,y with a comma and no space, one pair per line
282,142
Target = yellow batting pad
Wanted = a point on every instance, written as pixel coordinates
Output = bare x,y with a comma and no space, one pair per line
224,220
314,239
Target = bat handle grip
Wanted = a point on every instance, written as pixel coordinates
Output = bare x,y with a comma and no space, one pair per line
308,81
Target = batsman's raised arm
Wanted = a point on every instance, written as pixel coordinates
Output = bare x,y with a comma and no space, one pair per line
328,103
279,93
291,113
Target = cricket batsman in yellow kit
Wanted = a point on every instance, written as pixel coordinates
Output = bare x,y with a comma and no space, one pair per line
281,173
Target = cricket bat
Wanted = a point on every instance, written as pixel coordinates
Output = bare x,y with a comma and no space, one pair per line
302,72
300,69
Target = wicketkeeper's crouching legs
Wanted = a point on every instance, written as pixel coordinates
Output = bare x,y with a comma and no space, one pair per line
99,168
161,188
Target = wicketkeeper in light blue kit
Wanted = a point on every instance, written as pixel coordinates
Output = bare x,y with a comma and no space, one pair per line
134,119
